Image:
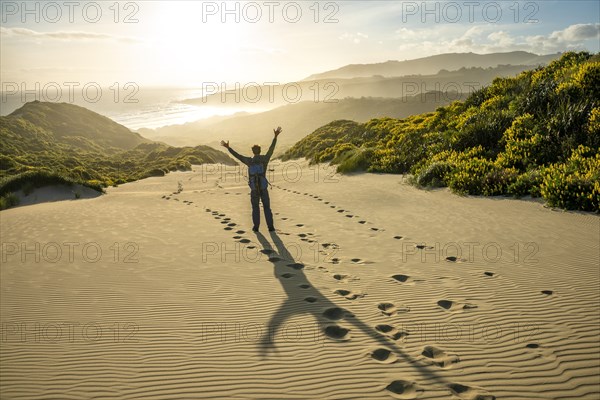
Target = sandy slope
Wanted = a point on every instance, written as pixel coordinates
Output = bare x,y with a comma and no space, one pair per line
181,304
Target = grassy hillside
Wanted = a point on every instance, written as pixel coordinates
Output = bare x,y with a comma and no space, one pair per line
48,142
535,134
77,126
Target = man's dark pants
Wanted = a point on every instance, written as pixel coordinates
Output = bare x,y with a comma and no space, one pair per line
255,197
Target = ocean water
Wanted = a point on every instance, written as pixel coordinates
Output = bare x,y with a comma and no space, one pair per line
135,109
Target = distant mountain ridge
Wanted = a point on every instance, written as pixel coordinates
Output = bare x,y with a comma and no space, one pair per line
433,64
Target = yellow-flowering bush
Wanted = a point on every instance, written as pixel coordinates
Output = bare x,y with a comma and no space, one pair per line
523,143
481,176
574,184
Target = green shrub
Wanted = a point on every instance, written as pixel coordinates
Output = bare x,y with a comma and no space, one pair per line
357,159
434,175
8,200
153,172
525,184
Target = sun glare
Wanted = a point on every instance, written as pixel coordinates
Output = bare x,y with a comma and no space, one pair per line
181,43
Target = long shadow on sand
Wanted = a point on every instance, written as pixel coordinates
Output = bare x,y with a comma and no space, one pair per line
326,312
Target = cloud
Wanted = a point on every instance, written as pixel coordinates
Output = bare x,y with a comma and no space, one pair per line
489,39
62,35
576,33
355,38
501,38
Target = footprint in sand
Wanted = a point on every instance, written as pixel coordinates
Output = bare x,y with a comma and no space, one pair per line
348,294
299,225
362,222
403,279
455,259
439,357
336,313
455,306
401,389
310,299
489,274
337,332
331,206
304,286
390,331
237,237
469,393
240,232
384,356
287,275
547,292
356,260
296,266
350,216
340,277
274,259
267,251
388,309
422,246
228,228
398,237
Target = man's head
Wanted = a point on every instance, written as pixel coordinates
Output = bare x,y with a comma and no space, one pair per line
256,149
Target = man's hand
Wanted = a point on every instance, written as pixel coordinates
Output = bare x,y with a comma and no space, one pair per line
277,131
225,143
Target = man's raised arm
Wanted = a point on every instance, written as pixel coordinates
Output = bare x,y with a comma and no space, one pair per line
234,153
273,143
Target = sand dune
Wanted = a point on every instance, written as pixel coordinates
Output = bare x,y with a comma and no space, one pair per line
369,289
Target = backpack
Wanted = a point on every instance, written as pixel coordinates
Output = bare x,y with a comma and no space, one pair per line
256,174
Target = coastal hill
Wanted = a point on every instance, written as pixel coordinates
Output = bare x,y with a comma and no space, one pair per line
76,126
50,143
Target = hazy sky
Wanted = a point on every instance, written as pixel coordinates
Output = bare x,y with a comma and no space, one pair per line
187,43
